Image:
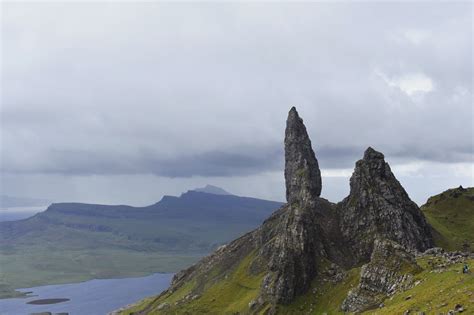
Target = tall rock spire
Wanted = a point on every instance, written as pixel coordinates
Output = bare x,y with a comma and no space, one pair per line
293,253
302,175
311,241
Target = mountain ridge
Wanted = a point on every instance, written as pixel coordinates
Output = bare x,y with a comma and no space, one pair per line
211,189
76,241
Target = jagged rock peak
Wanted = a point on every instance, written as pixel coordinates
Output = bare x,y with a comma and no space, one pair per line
371,154
378,205
370,169
302,174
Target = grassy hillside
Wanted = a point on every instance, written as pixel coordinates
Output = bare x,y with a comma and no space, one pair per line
436,291
451,214
438,284
75,242
222,296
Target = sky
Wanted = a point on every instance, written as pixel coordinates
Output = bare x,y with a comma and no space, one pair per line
122,103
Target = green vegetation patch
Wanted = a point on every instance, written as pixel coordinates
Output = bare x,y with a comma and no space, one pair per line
451,214
323,297
228,295
438,291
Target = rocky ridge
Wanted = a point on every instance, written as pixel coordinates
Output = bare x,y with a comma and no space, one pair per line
377,226
391,268
378,205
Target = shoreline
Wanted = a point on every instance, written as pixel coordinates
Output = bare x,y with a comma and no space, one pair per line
17,293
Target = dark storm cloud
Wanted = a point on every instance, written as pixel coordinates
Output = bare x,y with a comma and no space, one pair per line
244,162
203,90
456,154
220,164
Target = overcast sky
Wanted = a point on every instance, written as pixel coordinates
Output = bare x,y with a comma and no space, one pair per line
123,103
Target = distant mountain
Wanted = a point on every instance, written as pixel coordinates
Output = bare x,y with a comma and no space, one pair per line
11,201
212,190
193,217
75,241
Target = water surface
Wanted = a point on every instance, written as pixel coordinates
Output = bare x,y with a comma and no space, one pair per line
94,297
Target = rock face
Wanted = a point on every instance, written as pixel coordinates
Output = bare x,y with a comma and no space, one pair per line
378,206
376,225
302,175
390,268
293,252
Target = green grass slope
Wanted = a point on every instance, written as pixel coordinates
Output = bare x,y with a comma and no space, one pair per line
435,292
439,284
228,295
438,292
451,214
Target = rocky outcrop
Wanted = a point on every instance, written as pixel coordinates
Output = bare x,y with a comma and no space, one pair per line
302,174
295,251
376,225
378,206
391,268
291,244
439,259
298,241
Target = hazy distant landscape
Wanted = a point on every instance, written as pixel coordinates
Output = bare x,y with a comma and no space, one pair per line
16,208
76,242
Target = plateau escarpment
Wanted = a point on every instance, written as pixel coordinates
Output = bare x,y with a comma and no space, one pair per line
72,242
368,241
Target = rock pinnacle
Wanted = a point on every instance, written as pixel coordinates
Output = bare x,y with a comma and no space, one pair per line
302,174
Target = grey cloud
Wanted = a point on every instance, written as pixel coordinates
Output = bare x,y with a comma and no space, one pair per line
182,90
239,161
245,161
454,154
345,157
213,164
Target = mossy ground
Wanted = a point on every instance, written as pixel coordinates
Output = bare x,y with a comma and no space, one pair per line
451,214
323,297
438,292
228,295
